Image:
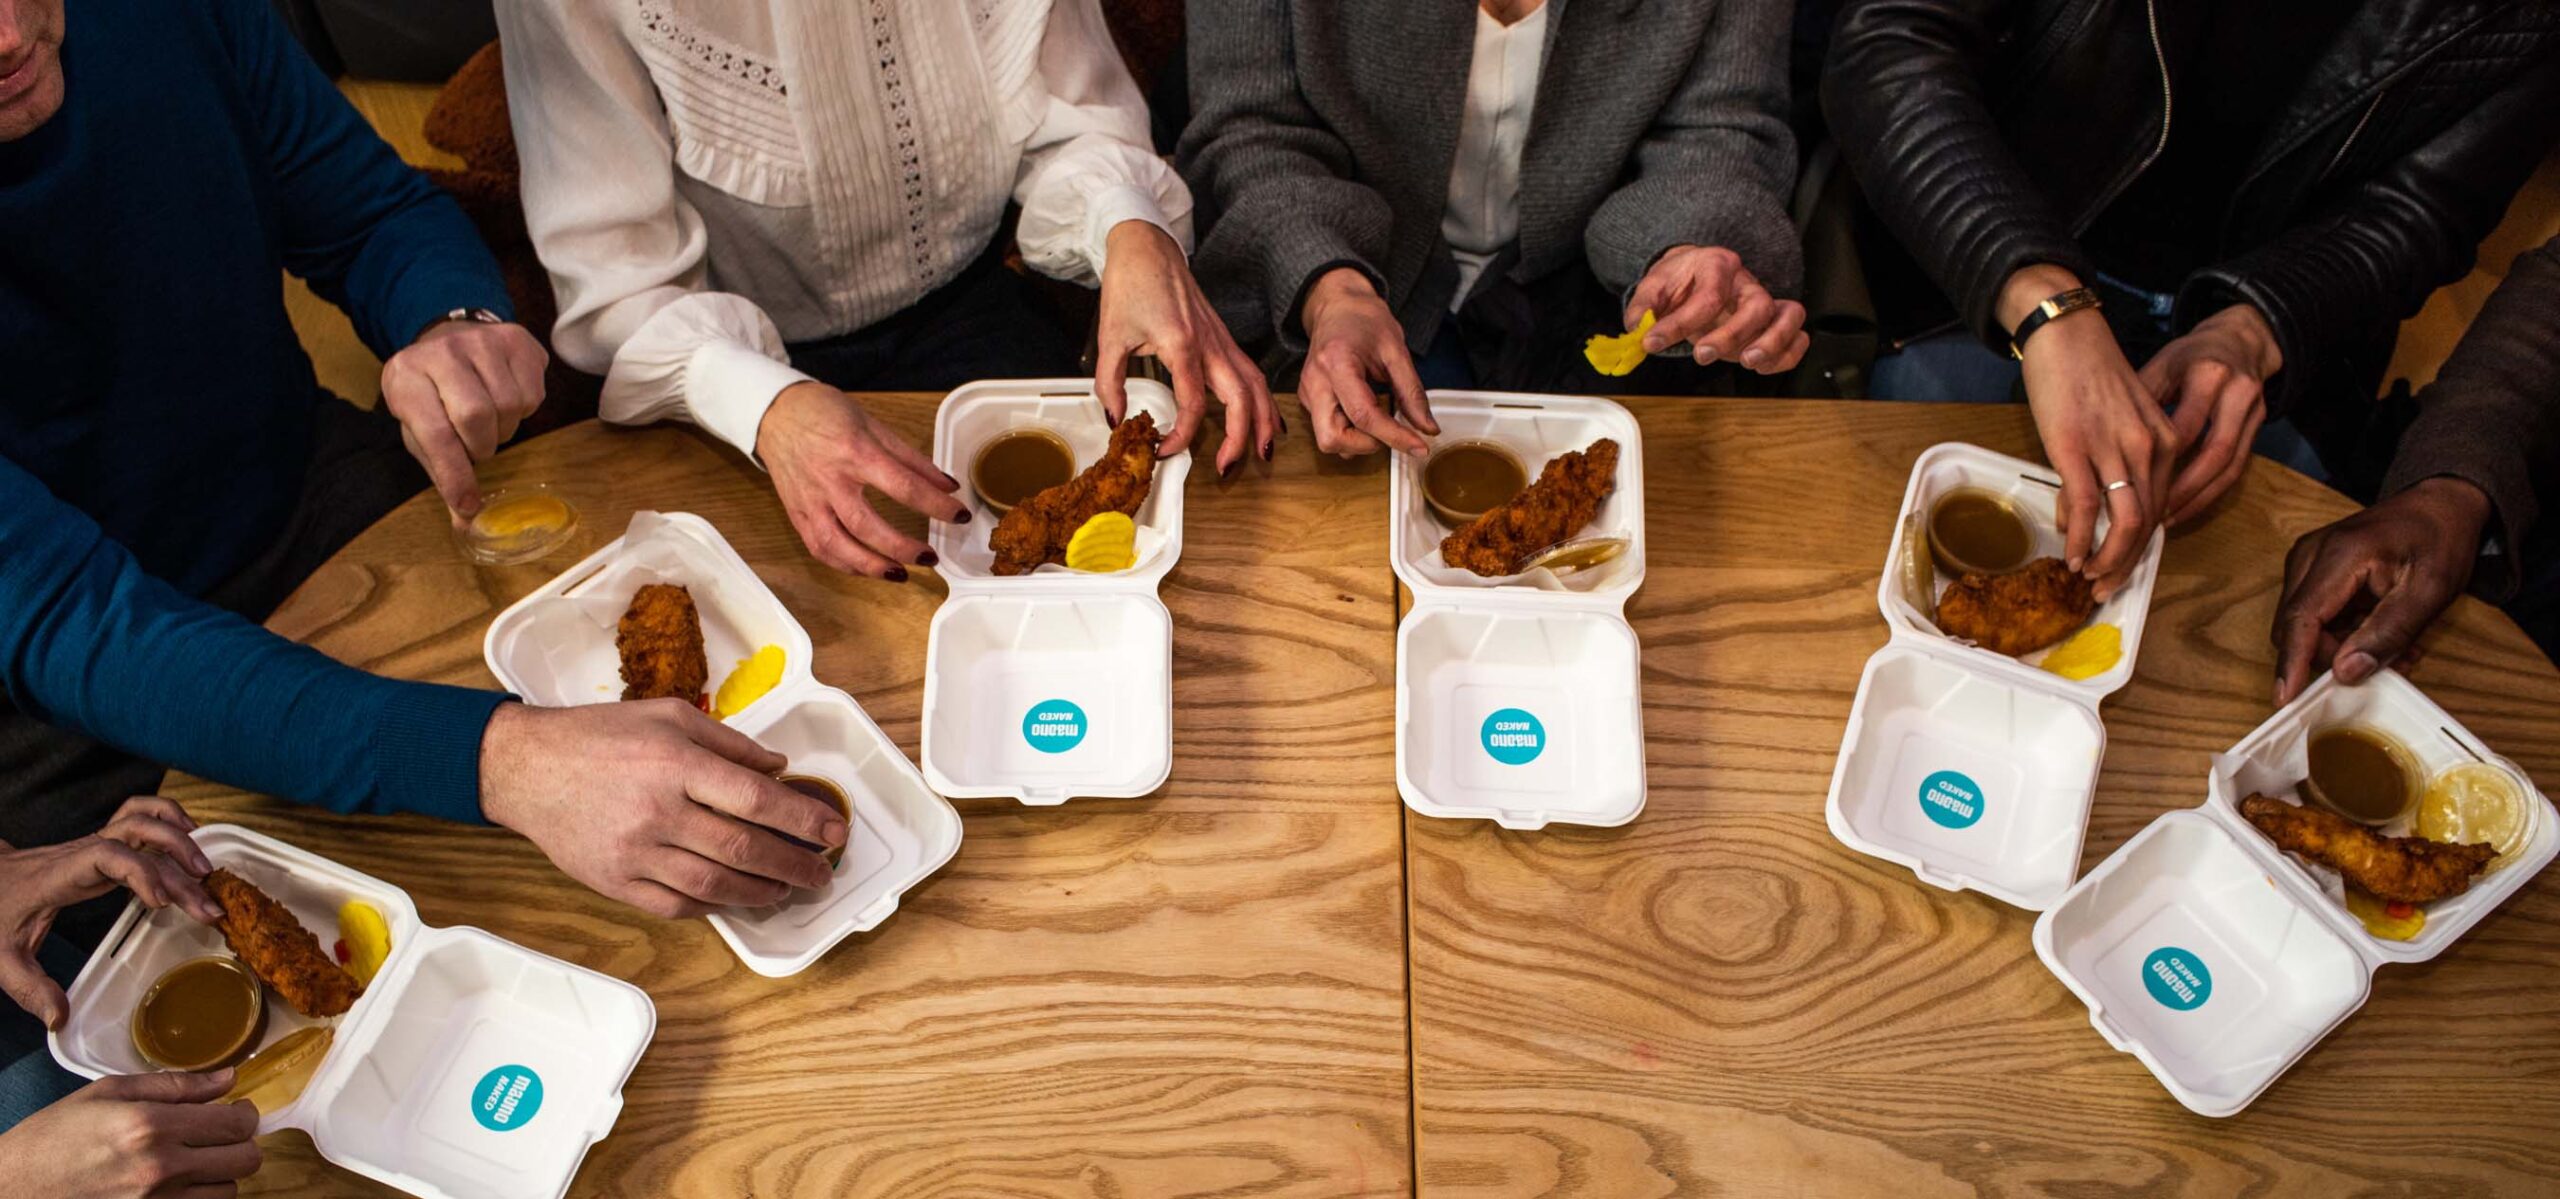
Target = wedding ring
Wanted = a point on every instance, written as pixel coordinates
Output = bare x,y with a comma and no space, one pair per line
2119,484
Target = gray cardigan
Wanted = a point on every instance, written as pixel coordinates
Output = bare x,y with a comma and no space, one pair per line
1323,132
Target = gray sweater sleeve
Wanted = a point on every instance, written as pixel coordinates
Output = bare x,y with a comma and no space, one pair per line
2492,417
1717,165
1275,178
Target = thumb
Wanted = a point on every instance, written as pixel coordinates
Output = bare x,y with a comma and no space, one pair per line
2392,627
32,988
169,1087
731,744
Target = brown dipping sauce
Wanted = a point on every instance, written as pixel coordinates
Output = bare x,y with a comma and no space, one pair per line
1467,479
2361,773
1976,532
1019,464
203,1014
826,793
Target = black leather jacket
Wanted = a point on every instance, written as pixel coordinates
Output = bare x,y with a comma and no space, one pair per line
1987,134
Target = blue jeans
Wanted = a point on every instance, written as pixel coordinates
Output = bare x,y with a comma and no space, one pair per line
1956,367
30,1081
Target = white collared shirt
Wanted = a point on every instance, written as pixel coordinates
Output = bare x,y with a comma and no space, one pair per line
707,180
1483,214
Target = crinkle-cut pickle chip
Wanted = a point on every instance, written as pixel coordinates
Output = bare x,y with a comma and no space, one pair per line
1619,354
1106,543
2091,652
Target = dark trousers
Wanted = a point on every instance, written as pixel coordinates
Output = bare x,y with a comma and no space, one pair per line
989,322
57,785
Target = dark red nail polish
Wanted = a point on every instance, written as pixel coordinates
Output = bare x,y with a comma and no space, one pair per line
897,574
1229,470
1266,451
961,519
928,558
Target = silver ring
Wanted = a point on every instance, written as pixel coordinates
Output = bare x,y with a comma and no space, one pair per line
2119,484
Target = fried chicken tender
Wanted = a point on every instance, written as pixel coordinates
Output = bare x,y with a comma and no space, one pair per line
1566,496
2399,869
1037,529
2019,612
275,947
660,640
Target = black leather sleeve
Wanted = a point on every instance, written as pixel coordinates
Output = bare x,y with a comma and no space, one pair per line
2492,417
1903,92
2378,251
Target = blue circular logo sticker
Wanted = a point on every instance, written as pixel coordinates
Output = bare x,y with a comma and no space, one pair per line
1053,726
1514,737
507,1098
1951,799
2177,979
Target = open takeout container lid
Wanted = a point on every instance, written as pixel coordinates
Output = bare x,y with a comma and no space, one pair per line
2218,960
1973,769
1056,684
471,1068
1518,700
555,647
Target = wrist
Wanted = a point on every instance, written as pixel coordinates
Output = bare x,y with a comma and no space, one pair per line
773,429
1331,290
2028,287
498,751
2463,507
2256,335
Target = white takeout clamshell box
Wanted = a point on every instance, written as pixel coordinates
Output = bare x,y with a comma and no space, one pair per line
555,648
2217,959
1972,768
472,1068
1056,684
1517,699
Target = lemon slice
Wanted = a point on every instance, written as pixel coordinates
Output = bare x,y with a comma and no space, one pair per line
368,939
2382,920
755,675
2091,652
2472,803
1620,354
1106,543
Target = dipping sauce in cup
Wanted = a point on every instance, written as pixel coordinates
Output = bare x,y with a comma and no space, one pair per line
204,1014
824,792
1972,531
517,524
2475,802
1019,464
2361,773
1466,479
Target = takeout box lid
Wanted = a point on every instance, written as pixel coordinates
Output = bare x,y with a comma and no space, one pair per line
1138,766
1539,427
1612,722
605,1045
2129,609
1070,409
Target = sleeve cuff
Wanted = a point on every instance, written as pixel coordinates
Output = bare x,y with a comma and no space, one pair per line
728,387
427,750
1115,204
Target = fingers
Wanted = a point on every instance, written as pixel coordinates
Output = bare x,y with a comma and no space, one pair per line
223,1163
526,361
1359,404
1776,349
1650,294
2331,575
663,901
170,1087
2391,631
874,531
758,854
704,881
919,486
764,801
1190,403
158,807
1242,438
1703,294
1266,414
2126,527
827,541
1111,382
431,440
153,877
1753,309
1412,402
31,988
2238,449
727,742
208,1125
2079,507
151,822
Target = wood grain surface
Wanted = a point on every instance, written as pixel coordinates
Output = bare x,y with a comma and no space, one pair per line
1269,980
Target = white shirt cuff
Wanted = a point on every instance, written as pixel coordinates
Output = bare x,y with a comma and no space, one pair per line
1114,204
728,387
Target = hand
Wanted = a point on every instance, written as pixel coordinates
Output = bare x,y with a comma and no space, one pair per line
2213,383
2361,590
459,391
133,1136
823,449
654,804
1354,343
1152,305
144,848
1703,296
2099,425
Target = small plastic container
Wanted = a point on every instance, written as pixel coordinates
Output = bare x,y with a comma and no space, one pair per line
2217,959
555,648
1056,684
472,1068
1517,699
1972,768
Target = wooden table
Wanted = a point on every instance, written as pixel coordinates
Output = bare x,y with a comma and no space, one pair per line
1269,980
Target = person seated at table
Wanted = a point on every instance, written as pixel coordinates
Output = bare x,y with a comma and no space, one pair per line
1389,230
2253,252
2461,505
749,209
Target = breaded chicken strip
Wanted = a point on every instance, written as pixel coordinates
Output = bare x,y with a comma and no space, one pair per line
1037,529
660,640
2402,869
1566,496
2019,612
275,947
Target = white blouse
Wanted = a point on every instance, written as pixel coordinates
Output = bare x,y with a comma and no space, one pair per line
706,180
1483,214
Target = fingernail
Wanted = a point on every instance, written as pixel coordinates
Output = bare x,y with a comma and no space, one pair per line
1266,451
2354,665
1110,420
961,519
1753,359
2074,564
897,574
834,832
1282,423
1653,343
928,558
1707,354
1229,470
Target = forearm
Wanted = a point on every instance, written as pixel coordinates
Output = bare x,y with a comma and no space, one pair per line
1089,166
